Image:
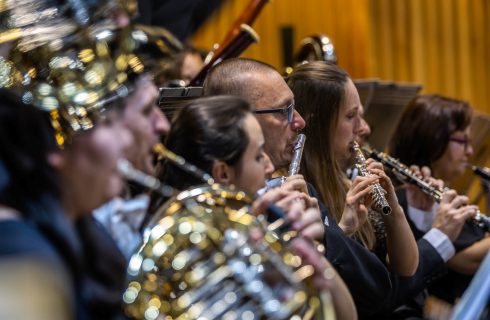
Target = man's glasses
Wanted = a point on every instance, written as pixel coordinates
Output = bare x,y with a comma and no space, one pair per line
286,112
465,141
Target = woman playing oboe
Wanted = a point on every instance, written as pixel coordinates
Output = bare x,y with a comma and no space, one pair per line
434,132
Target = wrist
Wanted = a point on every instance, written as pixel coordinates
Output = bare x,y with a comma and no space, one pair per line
347,229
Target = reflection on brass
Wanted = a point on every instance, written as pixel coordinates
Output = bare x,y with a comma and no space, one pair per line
53,60
206,257
163,153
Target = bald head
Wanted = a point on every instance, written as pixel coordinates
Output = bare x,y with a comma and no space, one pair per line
237,77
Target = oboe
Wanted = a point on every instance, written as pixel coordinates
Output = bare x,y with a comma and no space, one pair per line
378,193
483,172
404,174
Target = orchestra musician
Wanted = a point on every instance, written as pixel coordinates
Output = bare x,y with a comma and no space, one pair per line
220,135
434,134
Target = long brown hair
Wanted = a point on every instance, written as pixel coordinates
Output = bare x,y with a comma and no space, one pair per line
319,89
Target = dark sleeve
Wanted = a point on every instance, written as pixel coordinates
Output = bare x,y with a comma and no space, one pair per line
364,274
106,270
470,233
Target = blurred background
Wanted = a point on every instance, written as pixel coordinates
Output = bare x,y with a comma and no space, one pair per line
441,45
444,45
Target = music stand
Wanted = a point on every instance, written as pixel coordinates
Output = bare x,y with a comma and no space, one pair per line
171,99
384,103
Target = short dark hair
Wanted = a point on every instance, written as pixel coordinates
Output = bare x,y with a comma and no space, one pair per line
203,131
425,127
26,139
231,77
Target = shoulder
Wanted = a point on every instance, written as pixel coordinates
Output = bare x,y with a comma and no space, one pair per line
17,237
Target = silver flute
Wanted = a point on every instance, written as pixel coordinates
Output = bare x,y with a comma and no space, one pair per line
404,174
126,169
298,153
380,203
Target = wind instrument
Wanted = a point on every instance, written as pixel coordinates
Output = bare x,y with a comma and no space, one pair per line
200,260
380,203
482,172
297,154
248,17
126,169
293,166
164,153
233,49
404,174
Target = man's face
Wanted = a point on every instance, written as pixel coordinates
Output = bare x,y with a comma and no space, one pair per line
270,91
146,122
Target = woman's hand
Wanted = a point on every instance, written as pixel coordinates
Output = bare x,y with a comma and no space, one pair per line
377,169
357,203
415,196
295,183
301,211
452,213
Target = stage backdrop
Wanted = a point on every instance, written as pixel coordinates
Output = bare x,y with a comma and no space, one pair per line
442,44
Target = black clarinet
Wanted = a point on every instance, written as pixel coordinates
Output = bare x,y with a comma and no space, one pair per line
404,174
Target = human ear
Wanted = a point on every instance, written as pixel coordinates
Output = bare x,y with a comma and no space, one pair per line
222,172
56,160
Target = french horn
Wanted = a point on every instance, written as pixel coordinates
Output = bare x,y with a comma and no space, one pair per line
207,257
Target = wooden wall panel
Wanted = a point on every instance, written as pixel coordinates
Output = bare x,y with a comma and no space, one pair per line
442,44
346,22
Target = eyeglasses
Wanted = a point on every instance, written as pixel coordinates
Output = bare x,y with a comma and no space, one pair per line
287,112
465,141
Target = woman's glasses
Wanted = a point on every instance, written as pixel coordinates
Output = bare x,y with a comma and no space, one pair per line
465,141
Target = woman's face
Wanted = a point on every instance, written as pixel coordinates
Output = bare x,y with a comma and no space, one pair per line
250,173
349,124
89,166
454,160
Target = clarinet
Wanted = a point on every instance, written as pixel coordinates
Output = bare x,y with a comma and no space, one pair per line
378,193
482,172
404,174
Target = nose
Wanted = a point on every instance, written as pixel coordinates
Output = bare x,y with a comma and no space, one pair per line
161,125
268,166
298,122
362,130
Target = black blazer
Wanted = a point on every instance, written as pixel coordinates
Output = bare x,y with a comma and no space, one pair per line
376,291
